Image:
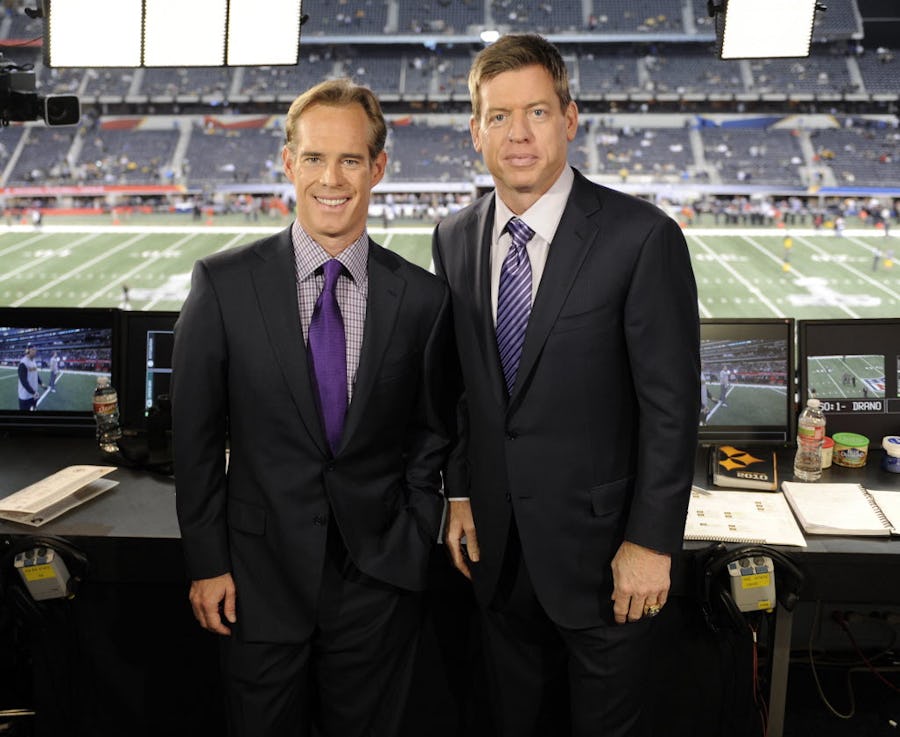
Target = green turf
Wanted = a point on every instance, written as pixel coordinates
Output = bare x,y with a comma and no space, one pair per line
847,376
72,389
740,273
746,404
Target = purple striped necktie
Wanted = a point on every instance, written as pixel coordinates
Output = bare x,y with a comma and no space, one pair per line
514,301
328,352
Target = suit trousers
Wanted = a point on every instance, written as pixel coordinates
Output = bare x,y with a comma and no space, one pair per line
549,680
351,678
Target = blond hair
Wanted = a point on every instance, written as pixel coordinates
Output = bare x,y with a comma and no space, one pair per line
339,93
512,52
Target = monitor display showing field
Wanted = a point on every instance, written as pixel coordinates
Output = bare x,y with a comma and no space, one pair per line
746,379
853,367
50,360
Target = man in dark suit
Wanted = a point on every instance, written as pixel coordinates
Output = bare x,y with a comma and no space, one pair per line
308,552
575,312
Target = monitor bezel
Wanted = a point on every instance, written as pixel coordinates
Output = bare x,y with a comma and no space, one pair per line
61,317
135,325
874,427
779,328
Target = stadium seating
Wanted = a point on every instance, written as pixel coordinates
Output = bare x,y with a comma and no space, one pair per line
860,156
639,56
42,156
449,17
226,156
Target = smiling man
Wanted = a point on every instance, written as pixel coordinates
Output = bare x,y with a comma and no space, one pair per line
318,358
575,314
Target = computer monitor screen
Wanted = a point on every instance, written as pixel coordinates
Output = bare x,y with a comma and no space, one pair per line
747,376
853,367
50,359
147,361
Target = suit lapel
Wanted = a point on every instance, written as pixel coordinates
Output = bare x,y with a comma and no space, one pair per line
386,290
275,282
571,244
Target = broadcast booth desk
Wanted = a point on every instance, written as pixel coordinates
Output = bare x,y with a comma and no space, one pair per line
140,661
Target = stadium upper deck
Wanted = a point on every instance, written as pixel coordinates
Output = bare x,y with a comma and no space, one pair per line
628,60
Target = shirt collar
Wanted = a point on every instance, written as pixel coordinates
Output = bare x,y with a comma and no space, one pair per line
310,256
544,215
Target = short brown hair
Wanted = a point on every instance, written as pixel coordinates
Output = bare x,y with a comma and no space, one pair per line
512,52
339,93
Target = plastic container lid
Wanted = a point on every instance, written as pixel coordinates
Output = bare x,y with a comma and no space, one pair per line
851,440
891,445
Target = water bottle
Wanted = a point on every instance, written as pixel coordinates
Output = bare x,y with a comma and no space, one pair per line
810,435
106,414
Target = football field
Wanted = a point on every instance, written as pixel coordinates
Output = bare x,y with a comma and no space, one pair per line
739,272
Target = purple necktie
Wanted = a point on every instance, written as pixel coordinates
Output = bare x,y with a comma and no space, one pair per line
328,351
514,301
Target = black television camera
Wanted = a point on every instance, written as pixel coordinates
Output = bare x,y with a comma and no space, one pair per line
19,99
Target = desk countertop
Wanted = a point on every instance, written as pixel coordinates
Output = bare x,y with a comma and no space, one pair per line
142,505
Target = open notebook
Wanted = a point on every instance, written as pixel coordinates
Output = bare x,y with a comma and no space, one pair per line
749,517
843,509
50,497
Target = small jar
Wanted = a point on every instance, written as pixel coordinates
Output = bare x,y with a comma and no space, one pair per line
851,450
891,460
827,451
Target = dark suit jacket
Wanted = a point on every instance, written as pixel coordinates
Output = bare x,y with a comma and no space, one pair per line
597,441
240,367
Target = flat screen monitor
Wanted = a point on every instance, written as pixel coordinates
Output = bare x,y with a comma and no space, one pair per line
148,338
50,359
853,367
747,379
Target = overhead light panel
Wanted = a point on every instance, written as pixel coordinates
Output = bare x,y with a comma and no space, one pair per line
763,29
73,35
171,33
262,38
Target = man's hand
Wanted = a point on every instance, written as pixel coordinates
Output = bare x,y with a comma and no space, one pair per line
640,580
461,523
207,595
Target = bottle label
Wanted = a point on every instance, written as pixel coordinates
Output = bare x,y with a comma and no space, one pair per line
814,434
106,404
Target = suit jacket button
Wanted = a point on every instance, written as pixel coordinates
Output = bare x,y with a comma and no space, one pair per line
508,496
511,436
319,521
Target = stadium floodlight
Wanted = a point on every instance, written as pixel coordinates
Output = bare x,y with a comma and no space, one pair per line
763,29
171,33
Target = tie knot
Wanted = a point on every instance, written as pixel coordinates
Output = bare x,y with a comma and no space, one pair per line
332,269
519,231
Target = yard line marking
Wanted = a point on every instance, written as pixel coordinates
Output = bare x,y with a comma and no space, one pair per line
152,258
233,241
81,267
225,229
750,287
31,264
797,276
22,244
853,270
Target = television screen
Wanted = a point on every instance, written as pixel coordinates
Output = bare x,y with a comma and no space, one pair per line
147,362
747,378
853,367
50,359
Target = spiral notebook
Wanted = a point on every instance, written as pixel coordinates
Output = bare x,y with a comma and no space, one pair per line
843,509
747,517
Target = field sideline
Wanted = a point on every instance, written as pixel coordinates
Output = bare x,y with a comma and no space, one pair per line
744,272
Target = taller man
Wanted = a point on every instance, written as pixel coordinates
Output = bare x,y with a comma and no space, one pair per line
575,312
317,357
